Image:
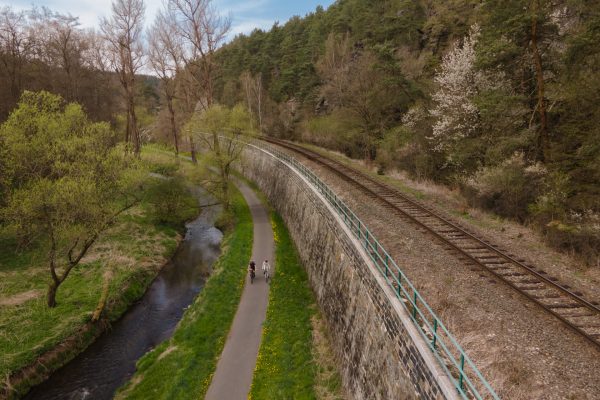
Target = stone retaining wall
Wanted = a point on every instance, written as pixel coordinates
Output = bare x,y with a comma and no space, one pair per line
379,352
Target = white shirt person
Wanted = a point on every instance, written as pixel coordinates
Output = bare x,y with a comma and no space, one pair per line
266,267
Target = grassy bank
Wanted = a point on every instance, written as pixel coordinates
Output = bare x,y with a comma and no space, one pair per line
182,367
125,259
294,361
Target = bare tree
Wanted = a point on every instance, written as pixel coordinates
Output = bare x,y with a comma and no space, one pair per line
202,30
60,45
253,88
123,33
15,48
353,83
165,56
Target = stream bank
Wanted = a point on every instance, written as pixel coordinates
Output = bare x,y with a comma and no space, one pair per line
110,361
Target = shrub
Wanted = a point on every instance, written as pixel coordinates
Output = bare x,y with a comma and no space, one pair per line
335,131
578,233
172,201
508,188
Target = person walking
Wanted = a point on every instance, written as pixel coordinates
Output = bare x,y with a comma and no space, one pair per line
266,267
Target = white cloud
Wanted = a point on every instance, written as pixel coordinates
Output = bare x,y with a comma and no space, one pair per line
249,25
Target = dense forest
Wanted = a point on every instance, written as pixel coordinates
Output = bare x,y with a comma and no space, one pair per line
498,99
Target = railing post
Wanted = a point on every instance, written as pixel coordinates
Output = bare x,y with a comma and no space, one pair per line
462,371
359,228
435,325
414,313
399,283
386,265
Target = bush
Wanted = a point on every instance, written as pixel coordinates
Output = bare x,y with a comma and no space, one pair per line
403,149
335,131
508,188
172,201
581,238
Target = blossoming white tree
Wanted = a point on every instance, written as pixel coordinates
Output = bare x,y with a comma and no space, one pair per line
455,114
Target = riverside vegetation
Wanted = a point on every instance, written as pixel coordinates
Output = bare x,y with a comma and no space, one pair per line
184,364
115,270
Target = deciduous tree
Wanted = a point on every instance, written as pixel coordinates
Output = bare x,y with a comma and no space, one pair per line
123,33
67,182
219,129
165,54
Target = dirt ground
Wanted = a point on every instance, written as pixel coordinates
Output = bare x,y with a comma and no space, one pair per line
523,351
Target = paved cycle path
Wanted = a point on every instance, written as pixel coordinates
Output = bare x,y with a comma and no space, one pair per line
233,376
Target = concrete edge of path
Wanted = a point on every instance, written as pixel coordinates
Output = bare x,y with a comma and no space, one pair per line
235,369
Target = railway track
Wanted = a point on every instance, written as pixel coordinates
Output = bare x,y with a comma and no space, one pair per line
556,298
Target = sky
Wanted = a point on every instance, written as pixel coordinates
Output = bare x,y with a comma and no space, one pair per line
246,14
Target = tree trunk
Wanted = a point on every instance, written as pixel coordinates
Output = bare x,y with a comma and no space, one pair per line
260,127
135,132
173,123
52,288
542,135
225,188
193,150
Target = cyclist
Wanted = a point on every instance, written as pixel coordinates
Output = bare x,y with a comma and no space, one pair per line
266,268
252,270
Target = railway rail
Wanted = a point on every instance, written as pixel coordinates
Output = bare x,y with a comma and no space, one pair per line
560,300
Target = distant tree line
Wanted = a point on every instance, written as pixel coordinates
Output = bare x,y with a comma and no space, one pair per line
44,50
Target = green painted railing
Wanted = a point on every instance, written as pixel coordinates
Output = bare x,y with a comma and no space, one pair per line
463,373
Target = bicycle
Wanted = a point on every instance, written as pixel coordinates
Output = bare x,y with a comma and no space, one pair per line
252,275
267,276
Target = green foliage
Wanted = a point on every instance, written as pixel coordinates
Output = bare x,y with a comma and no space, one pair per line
59,161
182,367
336,131
172,202
507,188
218,130
136,246
68,180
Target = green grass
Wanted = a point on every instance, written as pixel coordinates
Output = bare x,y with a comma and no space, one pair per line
287,366
182,367
136,248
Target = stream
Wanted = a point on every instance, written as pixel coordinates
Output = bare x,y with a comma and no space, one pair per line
110,361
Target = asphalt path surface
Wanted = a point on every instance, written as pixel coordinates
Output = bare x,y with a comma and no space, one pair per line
233,376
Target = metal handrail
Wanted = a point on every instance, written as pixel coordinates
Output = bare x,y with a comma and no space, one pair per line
467,379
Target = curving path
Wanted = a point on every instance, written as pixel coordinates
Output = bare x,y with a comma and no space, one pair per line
233,376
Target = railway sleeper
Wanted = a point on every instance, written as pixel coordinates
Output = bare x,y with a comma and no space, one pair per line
500,267
545,296
530,282
513,274
489,257
570,315
562,306
491,263
589,326
526,288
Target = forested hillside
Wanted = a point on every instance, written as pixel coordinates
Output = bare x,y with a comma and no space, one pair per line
498,99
